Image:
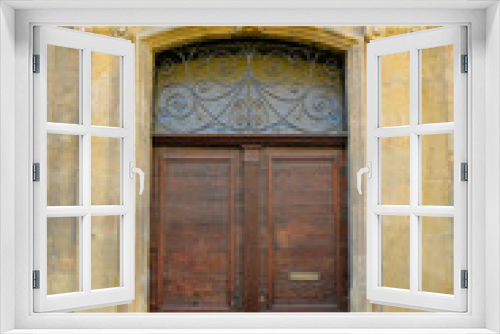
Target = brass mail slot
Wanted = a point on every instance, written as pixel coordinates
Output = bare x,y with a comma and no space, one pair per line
303,276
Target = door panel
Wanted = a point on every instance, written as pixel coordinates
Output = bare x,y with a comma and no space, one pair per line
196,229
304,227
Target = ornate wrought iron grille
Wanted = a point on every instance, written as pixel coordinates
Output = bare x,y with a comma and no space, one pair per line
249,87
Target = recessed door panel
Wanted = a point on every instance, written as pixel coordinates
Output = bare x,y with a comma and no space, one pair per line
196,229
305,232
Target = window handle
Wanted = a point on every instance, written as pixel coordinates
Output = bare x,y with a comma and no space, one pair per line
139,171
367,170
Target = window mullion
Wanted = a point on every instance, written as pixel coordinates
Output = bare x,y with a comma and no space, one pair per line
86,167
67,129
395,131
414,170
80,179
434,129
103,131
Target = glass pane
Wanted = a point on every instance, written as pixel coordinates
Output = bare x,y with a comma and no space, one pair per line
266,87
106,171
105,252
63,170
63,84
395,170
437,169
63,256
437,84
395,89
105,89
437,254
396,251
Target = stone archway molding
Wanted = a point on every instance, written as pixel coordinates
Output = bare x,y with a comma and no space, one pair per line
351,40
327,37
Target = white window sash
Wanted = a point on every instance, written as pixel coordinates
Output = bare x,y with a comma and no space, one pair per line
414,298
86,298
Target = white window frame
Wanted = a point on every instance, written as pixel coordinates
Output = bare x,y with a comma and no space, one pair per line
484,49
415,210
86,44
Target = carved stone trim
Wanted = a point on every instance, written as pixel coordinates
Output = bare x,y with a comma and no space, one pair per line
318,36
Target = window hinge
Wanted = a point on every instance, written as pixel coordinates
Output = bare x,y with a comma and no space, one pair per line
464,171
465,64
36,172
36,279
465,279
36,63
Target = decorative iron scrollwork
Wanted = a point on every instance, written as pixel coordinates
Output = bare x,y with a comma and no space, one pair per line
249,87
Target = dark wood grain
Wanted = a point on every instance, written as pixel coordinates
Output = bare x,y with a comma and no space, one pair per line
195,238
310,236
276,217
251,263
339,141
154,291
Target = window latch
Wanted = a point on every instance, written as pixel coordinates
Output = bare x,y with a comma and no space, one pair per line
368,171
139,171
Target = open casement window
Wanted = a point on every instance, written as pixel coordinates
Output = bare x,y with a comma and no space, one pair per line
416,144
83,168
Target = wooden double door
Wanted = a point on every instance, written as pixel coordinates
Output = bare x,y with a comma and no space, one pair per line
249,229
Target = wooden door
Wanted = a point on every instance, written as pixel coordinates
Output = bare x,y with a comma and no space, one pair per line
194,253
304,222
249,229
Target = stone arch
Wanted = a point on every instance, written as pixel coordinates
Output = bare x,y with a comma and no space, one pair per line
325,38
150,41
330,39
